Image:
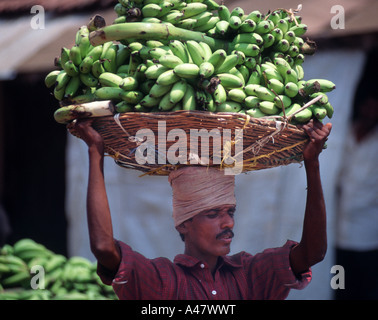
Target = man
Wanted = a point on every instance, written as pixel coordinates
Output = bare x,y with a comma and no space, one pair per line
203,211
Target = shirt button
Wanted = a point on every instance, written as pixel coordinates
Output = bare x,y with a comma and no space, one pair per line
202,265
214,292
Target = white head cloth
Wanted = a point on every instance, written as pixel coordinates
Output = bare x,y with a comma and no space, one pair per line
196,188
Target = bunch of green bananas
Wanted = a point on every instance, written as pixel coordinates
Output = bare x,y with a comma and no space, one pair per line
64,278
256,68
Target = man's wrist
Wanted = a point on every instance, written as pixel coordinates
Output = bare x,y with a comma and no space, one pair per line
312,163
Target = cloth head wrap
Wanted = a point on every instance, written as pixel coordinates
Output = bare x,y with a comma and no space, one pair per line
196,189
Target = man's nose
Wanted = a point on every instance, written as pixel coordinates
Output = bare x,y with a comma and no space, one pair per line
227,221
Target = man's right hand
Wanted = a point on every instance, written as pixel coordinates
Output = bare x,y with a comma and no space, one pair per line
83,127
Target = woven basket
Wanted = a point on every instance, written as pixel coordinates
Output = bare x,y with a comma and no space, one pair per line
237,141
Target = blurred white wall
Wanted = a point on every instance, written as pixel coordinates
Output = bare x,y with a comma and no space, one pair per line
270,205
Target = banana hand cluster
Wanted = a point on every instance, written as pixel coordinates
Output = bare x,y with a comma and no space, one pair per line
73,278
256,69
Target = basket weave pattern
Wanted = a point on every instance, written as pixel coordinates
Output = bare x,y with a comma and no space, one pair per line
264,143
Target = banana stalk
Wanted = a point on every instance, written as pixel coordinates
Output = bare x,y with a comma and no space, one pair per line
148,31
66,114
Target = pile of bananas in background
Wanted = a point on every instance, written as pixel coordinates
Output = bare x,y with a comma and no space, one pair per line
258,71
73,278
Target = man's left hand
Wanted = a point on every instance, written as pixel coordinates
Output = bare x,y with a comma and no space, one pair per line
318,134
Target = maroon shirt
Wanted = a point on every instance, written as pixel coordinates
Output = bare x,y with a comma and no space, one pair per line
266,275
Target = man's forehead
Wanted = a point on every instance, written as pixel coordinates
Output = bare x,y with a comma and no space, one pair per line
219,208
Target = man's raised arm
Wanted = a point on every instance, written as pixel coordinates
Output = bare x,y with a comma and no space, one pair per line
98,213
313,245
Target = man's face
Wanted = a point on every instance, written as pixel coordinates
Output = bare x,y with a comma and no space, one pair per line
209,234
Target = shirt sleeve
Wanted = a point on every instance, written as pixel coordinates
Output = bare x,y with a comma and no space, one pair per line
137,278
271,276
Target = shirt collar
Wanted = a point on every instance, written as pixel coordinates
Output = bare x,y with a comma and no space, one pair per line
190,262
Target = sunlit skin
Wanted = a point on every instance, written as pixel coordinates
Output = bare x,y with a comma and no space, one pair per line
208,235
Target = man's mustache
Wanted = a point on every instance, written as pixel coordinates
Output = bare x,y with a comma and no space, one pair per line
226,232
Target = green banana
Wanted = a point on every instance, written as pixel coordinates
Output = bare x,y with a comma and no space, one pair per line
290,109
62,80
189,101
70,68
220,94
17,279
129,83
196,52
151,10
132,96
299,30
237,95
187,23
178,91
206,70
207,52
187,70
255,113
250,89
72,87
264,26
325,85
303,116
229,80
193,8
110,58
75,55
229,62
149,101
291,76
165,104
64,56
159,90
254,78
268,107
247,26
88,79
264,94
155,71
282,101
319,111
207,26
108,79
50,78
179,50
250,37
291,89
170,61
202,19
222,27
229,106
217,58
97,68
249,49
109,93
276,85
86,64
251,102
329,108
167,77
56,261
224,13
269,40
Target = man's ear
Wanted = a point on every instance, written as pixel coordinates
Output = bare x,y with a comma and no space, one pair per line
182,228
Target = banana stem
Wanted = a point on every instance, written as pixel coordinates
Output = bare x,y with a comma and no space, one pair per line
146,31
66,114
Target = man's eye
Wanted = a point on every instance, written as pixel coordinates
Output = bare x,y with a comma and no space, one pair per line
212,215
